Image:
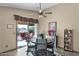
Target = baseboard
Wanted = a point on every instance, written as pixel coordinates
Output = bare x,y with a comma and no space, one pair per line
60,47
11,49
8,50
75,51
69,51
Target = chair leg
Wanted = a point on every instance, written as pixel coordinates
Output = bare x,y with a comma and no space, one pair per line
27,52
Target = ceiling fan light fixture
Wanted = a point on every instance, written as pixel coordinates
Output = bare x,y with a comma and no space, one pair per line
40,11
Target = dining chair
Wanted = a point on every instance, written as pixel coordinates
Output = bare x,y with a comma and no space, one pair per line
41,47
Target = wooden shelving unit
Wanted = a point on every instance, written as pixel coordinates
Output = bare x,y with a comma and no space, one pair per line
68,40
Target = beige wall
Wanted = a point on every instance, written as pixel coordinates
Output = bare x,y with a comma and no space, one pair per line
66,16
8,36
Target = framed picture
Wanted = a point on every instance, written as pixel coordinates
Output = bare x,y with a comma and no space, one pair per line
53,26
10,26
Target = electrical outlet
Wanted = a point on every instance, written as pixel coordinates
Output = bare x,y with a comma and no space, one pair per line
6,45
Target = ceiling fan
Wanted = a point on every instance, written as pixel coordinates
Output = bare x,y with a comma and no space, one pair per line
41,14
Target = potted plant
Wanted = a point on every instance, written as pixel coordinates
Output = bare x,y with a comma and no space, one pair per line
42,35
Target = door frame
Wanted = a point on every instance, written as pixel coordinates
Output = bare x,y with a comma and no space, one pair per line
16,31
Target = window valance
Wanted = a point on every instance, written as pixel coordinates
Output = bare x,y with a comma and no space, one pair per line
25,19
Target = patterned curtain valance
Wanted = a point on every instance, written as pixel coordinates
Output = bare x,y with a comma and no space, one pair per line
25,19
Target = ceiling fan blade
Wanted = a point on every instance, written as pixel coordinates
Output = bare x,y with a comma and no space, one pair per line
40,12
44,15
48,12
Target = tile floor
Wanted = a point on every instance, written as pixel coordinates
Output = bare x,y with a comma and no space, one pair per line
66,53
18,52
22,52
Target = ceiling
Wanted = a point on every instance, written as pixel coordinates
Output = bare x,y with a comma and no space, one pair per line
28,6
